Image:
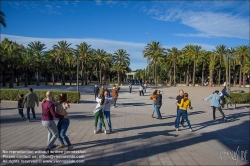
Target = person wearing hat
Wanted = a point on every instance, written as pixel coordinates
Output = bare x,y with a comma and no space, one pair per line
215,103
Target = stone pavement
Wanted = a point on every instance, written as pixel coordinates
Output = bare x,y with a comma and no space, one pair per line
137,139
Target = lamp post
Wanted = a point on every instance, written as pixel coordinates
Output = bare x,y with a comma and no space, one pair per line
147,62
77,76
229,68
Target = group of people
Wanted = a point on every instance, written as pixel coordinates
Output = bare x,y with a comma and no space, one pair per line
50,109
183,103
104,101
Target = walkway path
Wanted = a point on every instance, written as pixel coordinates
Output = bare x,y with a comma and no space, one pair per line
137,139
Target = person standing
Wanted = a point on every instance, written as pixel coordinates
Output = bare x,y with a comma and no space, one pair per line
107,91
30,99
178,100
108,101
63,124
20,106
130,88
98,112
223,93
153,98
158,104
185,103
145,87
114,95
141,90
96,91
101,91
48,112
215,103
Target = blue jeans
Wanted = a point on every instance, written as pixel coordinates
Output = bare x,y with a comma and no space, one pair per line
20,110
107,114
33,113
153,105
157,108
62,127
185,116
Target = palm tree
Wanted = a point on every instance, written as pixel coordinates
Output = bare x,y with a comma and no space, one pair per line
154,52
100,59
172,57
2,19
37,47
84,50
196,52
203,58
121,62
212,63
13,52
62,49
221,51
187,52
243,54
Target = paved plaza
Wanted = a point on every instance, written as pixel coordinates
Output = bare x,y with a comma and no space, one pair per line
138,139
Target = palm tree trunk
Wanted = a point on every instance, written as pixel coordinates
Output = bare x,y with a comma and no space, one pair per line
170,77
194,70
211,76
63,72
155,73
17,79
240,76
4,78
187,78
53,78
202,73
11,78
174,73
37,77
100,77
26,78
234,73
85,76
46,78
219,72
244,80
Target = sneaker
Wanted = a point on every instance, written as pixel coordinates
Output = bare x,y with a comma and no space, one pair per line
99,131
174,126
110,131
23,118
61,146
190,129
152,116
214,120
94,131
28,121
53,146
105,131
70,148
47,151
225,120
177,129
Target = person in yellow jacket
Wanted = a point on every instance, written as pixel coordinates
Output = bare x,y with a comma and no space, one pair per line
153,98
185,103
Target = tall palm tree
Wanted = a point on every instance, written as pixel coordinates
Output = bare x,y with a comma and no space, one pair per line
37,47
172,57
243,53
212,63
221,51
62,49
2,19
13,52
121,62
187,52
203,59
100,59
196,52
84,51
154,53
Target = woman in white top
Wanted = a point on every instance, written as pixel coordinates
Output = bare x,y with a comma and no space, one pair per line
98,112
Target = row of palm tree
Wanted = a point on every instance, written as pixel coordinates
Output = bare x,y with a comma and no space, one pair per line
167,63
61,60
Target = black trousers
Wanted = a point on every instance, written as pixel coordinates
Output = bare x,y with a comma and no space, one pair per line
96,95
219,108
141,93
223,101
130,89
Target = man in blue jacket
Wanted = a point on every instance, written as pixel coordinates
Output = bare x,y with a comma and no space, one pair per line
223,93
215,103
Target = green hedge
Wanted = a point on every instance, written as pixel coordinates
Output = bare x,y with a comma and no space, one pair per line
12,94
240,98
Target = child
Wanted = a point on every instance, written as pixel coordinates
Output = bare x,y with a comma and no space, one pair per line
98,112
185,103
21,106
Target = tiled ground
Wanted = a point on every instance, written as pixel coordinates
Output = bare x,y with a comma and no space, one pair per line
137,139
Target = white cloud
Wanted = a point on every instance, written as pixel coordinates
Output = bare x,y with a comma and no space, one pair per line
208,21
110,46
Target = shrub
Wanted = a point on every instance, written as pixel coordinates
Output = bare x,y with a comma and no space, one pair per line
239,98
12,94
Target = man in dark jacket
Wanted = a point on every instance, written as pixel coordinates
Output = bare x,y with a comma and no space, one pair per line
222,94
96,91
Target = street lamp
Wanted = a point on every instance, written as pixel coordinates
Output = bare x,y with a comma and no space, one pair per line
229,66
77,76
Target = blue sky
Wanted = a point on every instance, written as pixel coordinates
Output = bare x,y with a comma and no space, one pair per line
111,25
